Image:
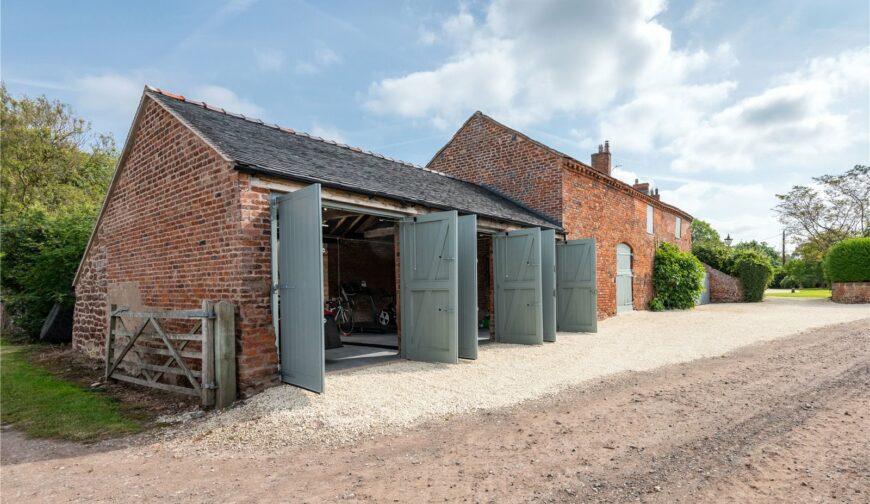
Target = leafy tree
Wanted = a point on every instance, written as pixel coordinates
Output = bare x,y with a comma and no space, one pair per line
703,232
49,158
837,207
715,255
763,248
53,176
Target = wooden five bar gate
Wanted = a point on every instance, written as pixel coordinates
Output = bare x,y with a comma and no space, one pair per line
190,352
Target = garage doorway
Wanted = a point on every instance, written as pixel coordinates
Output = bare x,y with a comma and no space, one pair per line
624,297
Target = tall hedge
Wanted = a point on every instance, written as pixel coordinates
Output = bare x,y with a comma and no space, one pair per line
678,278
715,255
755,272
849,261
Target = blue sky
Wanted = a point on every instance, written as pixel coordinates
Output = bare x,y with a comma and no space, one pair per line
720,104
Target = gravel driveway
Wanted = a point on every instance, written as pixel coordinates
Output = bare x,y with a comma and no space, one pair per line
379,399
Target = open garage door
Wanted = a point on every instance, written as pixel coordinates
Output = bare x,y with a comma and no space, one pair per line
300,285
518,296
467,237
429,287
548,283
576,293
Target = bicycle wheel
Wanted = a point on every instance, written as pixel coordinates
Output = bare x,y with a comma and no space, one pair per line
344,320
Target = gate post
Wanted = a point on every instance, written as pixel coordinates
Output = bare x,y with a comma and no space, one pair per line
110,341
208,356
225,354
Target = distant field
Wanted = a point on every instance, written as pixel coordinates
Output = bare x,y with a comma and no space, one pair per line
801,293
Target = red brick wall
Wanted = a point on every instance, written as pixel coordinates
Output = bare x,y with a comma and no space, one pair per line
181,226
724,288
486,153
596,207
851,292
586,203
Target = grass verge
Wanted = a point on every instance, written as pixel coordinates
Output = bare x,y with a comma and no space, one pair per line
44,406
802,293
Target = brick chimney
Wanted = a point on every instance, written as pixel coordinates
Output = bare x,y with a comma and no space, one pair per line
656,195
644,188
601,159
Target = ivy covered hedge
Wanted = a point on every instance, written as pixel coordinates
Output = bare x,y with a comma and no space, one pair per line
678,278
755,273
849,261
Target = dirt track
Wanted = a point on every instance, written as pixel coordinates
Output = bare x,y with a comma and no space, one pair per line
784,421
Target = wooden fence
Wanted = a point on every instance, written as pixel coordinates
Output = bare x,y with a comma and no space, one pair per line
190,352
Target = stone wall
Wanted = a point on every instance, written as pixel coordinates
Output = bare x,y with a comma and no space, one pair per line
724,288
850,292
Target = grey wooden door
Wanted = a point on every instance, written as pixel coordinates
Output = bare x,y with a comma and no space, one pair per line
300,287
467,237
548,283
429,287
576,292
704,296
624,276
518,296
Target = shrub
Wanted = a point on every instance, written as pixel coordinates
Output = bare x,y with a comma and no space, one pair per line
678,278
755,273
712,254
655,304
849,261
40,254
779,274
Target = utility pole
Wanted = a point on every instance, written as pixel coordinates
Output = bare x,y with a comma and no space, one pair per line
783,247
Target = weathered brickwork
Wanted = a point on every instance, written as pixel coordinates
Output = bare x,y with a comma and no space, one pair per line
850,292
724,288
587,202
487,153
181,226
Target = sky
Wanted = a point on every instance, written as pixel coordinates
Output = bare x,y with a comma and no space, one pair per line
719,104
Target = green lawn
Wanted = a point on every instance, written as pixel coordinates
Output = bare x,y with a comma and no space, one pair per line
802,293
44,406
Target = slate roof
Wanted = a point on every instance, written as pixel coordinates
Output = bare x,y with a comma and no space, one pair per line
281,152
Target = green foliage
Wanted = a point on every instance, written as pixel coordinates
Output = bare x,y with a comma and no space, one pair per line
755,272
45,406
849,261
789,282
53,176
703,232
46,161
779,275
40,253
656,304
804,273
763,248
713,254
678,278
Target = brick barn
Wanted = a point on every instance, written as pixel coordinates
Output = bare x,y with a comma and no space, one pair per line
500,239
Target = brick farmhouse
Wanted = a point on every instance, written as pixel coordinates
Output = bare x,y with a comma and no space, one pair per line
187,217
584,198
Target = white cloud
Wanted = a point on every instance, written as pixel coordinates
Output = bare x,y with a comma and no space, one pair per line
426,37
269,59
112,95
323,58
228,100
328,133
801,116
743,210
528,61
701,10
629,176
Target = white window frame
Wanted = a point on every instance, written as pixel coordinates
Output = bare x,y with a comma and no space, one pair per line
678,231
649,219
